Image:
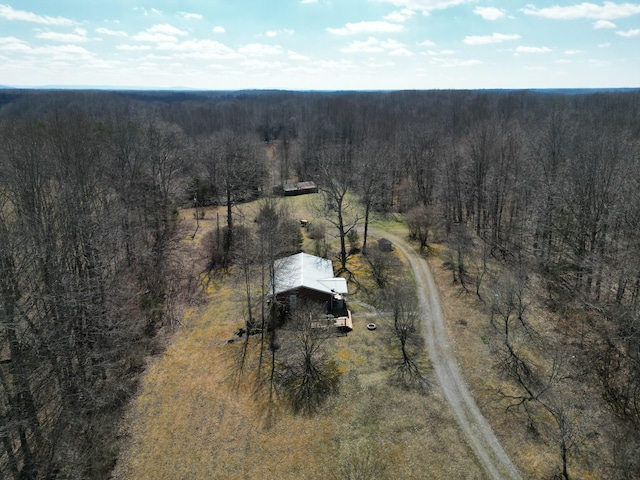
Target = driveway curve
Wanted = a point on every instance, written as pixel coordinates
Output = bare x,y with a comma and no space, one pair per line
479,434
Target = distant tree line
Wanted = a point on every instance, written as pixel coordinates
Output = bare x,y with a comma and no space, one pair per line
90,183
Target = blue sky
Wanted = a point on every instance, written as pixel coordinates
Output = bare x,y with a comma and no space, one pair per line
320,44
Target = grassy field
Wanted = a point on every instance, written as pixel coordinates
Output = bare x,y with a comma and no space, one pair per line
196,417
193,420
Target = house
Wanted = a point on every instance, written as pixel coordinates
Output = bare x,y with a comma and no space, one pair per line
303,278
291,189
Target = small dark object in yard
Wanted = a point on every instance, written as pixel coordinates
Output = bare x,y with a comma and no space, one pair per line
371,326
304,223
462,323
385,245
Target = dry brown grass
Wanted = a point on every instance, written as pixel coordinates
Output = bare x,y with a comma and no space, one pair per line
469,329
191,421
193,418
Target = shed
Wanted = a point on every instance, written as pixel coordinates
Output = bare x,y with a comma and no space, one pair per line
292,189
385,245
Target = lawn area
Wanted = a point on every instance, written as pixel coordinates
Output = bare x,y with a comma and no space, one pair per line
197,417
192,420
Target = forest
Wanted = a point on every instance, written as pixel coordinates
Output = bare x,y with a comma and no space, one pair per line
544,184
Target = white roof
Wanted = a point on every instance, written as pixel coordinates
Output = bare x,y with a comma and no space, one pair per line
308,271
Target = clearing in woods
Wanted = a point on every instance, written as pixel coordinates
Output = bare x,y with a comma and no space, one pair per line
197,416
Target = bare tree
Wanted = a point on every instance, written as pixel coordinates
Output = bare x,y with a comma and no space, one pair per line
374,184
236,166
79,297
382,266
308,375
408,372
420,221
339,209
277,236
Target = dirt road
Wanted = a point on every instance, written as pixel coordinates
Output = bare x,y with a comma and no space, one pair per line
478,432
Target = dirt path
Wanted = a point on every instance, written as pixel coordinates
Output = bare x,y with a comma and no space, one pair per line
478,432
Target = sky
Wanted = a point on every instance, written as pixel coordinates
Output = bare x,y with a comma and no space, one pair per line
319,44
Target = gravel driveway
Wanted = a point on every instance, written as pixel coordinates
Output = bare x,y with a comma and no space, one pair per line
478,432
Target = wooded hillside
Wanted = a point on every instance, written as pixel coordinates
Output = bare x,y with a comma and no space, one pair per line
547,185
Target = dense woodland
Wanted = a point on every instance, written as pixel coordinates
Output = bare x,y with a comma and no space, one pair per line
545,184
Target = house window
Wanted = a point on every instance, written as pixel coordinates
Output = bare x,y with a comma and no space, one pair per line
293,301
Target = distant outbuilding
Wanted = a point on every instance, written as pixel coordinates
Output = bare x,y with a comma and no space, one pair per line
292,189
385,245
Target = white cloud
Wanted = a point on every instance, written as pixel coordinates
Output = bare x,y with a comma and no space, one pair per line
400,52
275,33
380,65
371,45
522,49
537,68
487,39
14,45
603,24
392,44
309,1
218,29
489,13
260,50
606,11
166,29
6,11
202,49
154,37
113,33
426,43
161,33
396,49
434,53
78,37
133,48
50,52
190,16
604,45
148,13
399,16
425,6
573,52
366,27
64,51
263,65
629,33
296,56
563,61
333,64
5,40
454,62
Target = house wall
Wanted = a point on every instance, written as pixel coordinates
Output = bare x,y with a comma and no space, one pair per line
303,295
